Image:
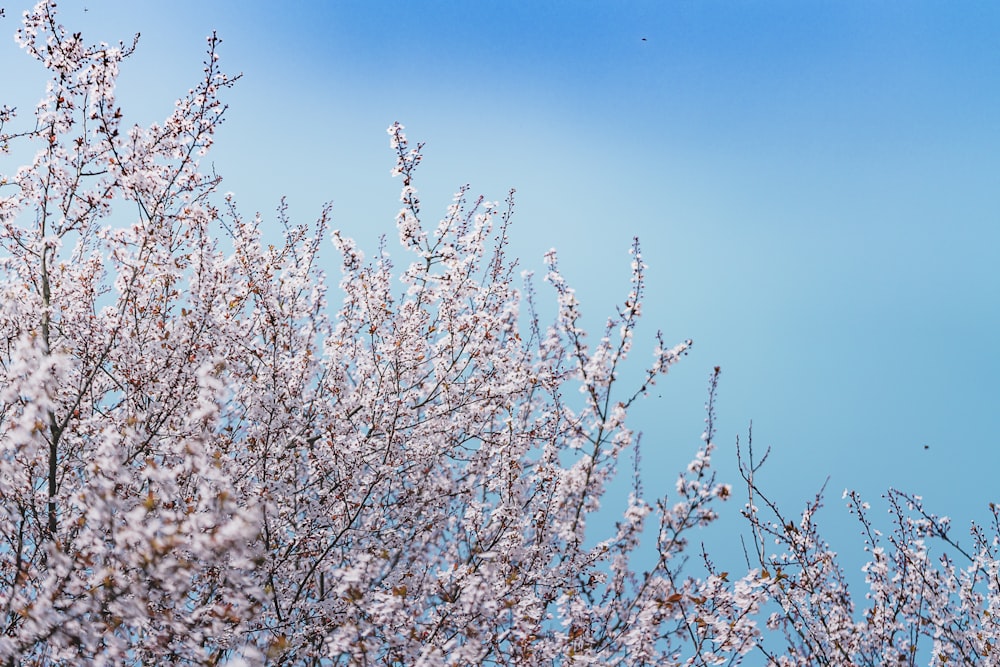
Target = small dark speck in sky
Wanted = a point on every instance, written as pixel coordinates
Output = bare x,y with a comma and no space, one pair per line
927,446
644,39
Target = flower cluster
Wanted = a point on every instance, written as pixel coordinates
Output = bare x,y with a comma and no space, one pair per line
919,607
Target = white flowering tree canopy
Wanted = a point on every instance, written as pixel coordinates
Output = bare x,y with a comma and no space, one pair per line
205,461
209,457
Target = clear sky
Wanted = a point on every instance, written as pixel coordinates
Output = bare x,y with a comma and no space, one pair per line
815,184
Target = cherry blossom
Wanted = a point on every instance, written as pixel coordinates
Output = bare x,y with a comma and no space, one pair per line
210,454
927,598
208,458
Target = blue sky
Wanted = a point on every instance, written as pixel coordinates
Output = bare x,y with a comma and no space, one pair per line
815,184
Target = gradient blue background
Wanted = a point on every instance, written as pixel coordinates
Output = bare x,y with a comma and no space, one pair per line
815,184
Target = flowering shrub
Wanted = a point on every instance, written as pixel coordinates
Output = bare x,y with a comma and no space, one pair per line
201,461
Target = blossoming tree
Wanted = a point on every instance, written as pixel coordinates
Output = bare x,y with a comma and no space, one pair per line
204,459
203,462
